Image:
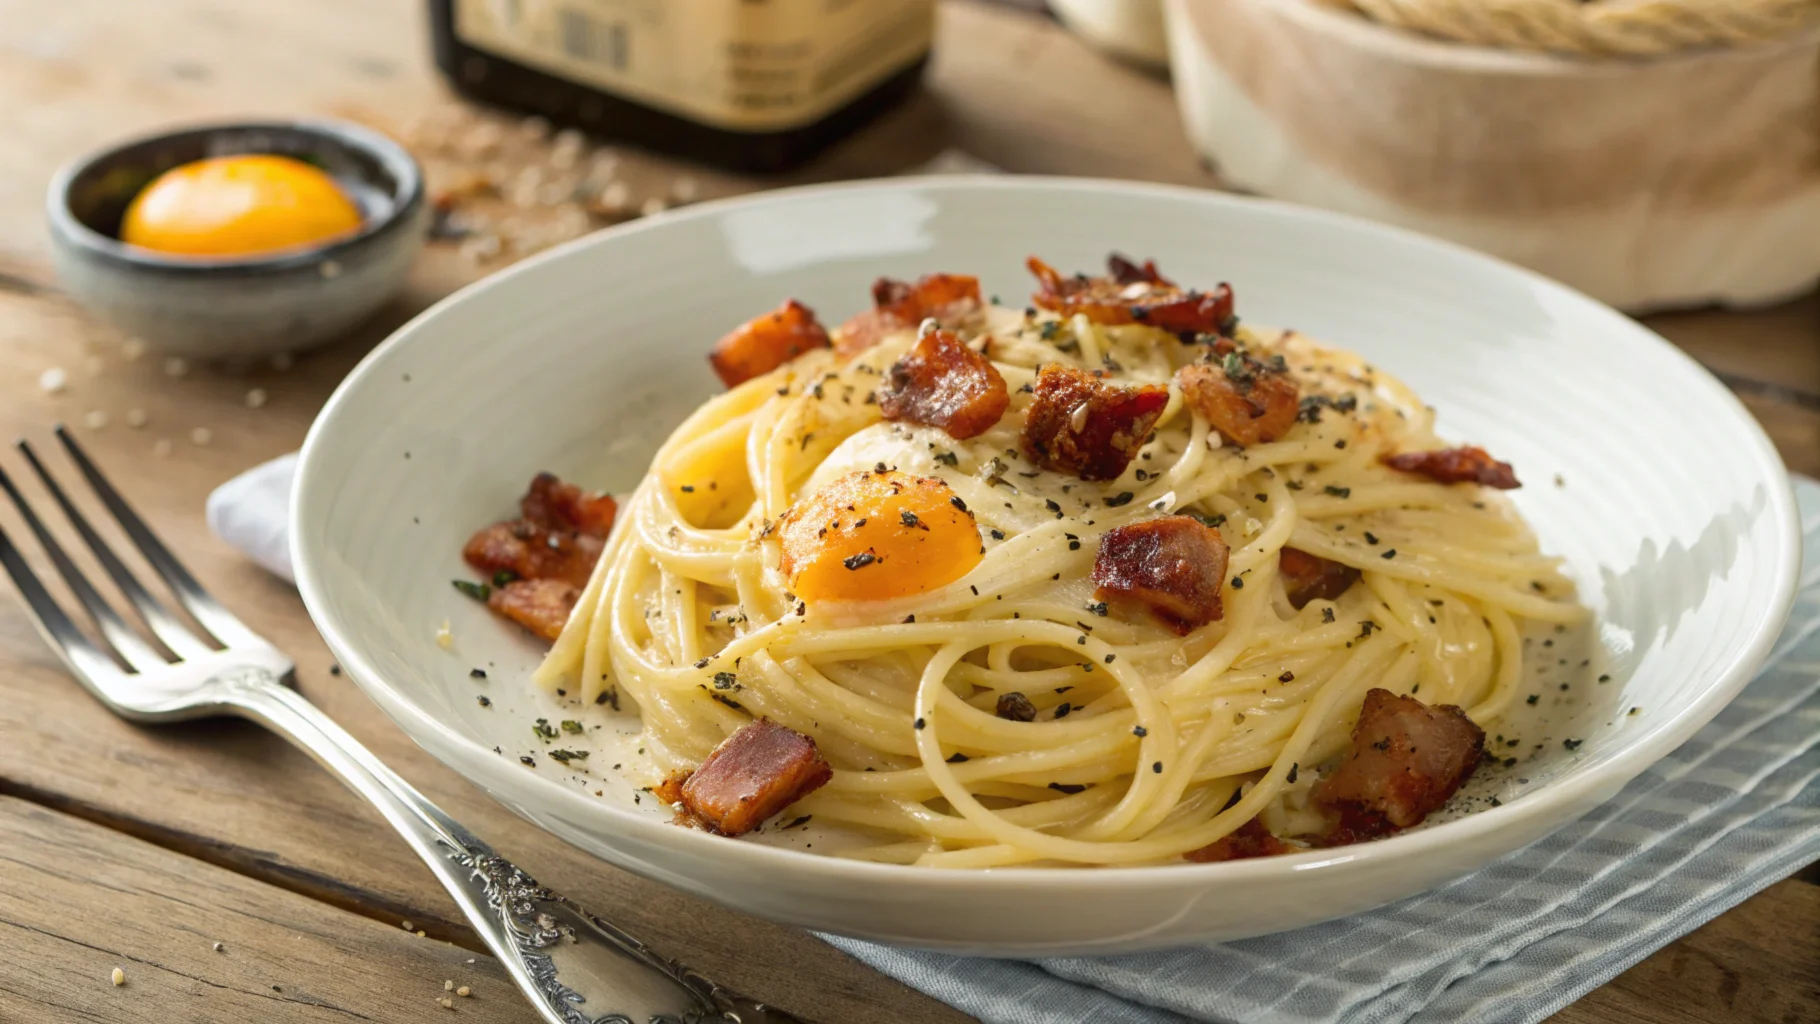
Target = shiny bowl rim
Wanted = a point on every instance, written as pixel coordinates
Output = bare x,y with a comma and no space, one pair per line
505,782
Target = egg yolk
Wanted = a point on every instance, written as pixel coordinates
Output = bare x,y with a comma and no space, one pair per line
871,536
238,206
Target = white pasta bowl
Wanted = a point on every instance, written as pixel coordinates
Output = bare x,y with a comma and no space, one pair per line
1670,506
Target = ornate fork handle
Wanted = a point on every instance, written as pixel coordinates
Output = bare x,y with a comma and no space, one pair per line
575,967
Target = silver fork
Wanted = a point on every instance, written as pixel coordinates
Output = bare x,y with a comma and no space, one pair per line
574,967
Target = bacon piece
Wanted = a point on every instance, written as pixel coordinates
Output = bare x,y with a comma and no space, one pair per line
1251,839
1309,577
541,606
1457,466
1172,566
1126,272
1080,424
555,505
766,342
951,299
943,383
558,536
1247,400
753,774
1407,760
533,552
1134,294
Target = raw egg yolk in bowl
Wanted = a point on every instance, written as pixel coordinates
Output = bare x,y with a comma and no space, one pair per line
239,206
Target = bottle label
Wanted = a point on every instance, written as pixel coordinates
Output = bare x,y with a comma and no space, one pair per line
744,65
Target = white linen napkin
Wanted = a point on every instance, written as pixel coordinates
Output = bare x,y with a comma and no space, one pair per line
252,512
1735,809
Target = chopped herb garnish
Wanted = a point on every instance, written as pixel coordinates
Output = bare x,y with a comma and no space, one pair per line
565,756
1210,521
1015,707
1238,583
947,458
484,702
570,725
1139,731
1338,492
477,673
1327,614
726,681
477,591
1389,553
1121,498
1294,769
1371,538
1157,767
543,730
957,758
1062,710
919,723
1286,677
908,518
1532,698
1572,744
958,503
1066,787
861,560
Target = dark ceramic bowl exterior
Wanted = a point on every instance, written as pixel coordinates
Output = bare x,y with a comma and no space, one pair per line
248,305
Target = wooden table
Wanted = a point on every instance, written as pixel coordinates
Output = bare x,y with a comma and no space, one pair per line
141,848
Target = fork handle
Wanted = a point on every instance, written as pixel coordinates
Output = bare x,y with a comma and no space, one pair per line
574,967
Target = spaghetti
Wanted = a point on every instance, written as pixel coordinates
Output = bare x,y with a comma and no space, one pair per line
1142,744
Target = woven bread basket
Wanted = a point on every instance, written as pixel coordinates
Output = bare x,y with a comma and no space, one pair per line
1653,153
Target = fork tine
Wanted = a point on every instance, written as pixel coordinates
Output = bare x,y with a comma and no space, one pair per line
80,653
126,643
214,618
165,626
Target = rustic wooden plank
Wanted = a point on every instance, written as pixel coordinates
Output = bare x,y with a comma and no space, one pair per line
1771,357
85,71
1755,963
77,901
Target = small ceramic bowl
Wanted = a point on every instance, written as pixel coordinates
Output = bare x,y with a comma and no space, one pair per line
219,307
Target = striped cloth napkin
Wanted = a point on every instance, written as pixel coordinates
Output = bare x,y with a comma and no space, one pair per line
1733,810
